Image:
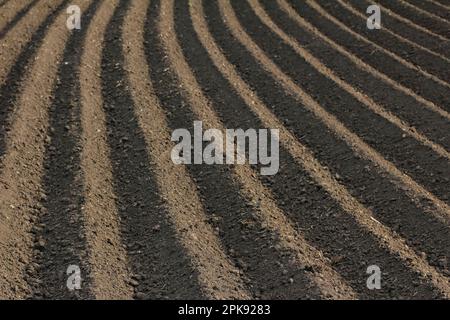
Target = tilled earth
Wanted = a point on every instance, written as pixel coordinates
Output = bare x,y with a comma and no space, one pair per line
86,177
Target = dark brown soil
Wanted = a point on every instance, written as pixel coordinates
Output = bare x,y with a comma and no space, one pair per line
101,193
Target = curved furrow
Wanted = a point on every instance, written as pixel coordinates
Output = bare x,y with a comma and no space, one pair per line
12,13
428,9
25,35
58,231
436,26
408,30
310,270
374,56
398,215
432,7
18,49
363,215
324,70
335,124
364,79
106,255
390,84
228,212
22,197
421,62
410,156
294,190
412,23
218,277
159,261
442,3
409,50
234,217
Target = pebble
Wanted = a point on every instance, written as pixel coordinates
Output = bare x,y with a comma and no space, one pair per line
140,296
134,283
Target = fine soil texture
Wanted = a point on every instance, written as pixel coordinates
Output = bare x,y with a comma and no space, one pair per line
92,206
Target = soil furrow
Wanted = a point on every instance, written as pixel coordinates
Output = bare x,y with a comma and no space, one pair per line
429,9
353,180
354,177
342,35
416,191
399,103
219,278
161,267
324,70
436,26
22,197
108,263
25,35
409,30
363,85
59,237
432,7
387,143
234,113
411,58
10,13
205,71
267,213
442,3
440,39
408,50
363,215
267,269
15,59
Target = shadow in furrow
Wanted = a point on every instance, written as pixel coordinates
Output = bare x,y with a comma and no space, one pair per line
404,106
432,24
59,237
17,18
252,248
416,56
413,158
391,206
156,256
10,89
432,8
402,28
350,247
424,87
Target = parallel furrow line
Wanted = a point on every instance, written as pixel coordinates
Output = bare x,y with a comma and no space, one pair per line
22,164
424,12
360,63
19,37
219,277
11,14
440,4
402,61
442,210
323,69
412,43
306,159
251,187
107,257
411,23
